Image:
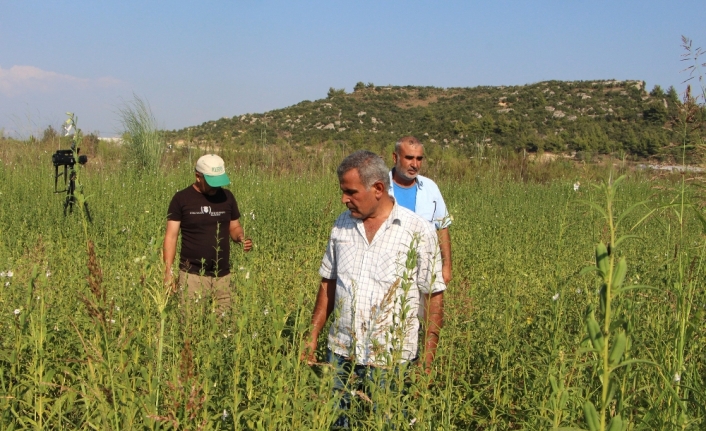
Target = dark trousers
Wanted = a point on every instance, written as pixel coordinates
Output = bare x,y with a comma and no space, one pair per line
363,381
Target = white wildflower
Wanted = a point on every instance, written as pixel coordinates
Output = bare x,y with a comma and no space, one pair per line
576,186
7,283
578,290
254,335
17,311
265,311
225,414
10,273
117,308
677,378
555,297
48,274
247,275
111,321
3,274
412,422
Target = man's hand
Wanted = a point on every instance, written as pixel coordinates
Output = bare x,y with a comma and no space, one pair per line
322,310
238,235
247,244
446,273
169,280
309,351
445,247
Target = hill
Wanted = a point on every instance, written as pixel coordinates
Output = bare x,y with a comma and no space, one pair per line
580,117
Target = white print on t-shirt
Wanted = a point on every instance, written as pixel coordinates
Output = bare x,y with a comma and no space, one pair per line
207,210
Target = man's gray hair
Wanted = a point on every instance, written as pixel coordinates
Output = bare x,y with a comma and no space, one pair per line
411,140
370,166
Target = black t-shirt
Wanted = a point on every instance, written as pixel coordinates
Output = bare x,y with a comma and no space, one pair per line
203,218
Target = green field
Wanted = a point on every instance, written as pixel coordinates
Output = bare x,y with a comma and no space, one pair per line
90,341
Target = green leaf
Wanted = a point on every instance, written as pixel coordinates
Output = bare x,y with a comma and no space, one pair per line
618,348
594,332
588,269
617,182
589,410
596,207
552,380
622,238
620,271
628,211
635,287
616,424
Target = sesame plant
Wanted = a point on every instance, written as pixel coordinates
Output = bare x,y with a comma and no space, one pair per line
609,338
75,195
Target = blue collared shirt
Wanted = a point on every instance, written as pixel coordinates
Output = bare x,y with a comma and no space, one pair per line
430,204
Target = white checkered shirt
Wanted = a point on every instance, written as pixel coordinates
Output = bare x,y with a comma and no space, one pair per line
378,285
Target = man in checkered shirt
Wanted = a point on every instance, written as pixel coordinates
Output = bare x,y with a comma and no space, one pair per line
381,273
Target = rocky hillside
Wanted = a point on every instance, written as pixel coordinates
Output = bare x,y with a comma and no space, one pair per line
583,117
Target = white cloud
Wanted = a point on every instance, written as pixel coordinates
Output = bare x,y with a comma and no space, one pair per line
19,80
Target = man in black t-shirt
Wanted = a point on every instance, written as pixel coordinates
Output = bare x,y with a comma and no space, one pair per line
208,217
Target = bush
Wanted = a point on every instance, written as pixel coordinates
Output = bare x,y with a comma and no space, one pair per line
141,136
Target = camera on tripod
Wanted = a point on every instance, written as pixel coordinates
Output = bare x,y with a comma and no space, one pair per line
67,159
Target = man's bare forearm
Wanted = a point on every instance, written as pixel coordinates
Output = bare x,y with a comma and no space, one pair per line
169,247
434,313
325,300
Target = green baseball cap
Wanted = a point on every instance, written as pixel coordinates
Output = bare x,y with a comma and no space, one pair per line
213,169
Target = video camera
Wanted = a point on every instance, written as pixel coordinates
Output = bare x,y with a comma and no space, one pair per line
66,158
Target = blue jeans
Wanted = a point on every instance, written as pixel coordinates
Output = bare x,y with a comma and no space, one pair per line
365,380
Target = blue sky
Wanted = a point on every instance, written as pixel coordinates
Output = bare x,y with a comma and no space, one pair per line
200,61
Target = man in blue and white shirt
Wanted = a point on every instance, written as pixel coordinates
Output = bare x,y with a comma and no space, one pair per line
420,194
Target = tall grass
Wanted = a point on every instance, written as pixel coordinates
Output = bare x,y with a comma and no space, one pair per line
141,135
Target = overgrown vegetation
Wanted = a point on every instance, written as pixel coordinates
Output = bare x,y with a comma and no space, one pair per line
89,339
